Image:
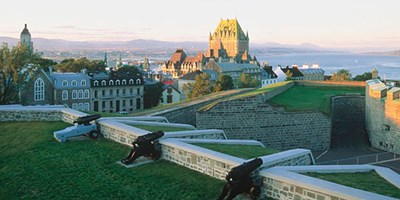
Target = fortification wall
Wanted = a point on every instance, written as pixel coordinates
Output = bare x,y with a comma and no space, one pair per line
348,108
382,118
248,119
30,113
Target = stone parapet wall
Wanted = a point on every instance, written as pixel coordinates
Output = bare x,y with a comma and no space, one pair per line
246,119
30,113
331,83
288,183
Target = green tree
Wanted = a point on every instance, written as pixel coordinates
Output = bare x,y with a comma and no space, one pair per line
201,86
363,77
13,68
341,75
247,81
187,89
152,94
289,75
76,65
224,82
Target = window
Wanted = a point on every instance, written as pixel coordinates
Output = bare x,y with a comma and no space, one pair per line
169,98
80,106
131,91
169,90
74,106
123,91
111,92
124,82
64,83
86,107
86,95
162,100
117,91
64,95
131,82
74,94
96,83
111,82
83,82
386,127
103,83
80,94
117,82
123,103
103,104
111,104
138,82
103,93
131,102
38,90
74,83
95,94
138,91
138,104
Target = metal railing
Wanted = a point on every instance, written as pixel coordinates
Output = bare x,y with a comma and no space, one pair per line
367,159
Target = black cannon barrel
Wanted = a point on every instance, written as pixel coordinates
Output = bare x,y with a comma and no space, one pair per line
244,169
149,137
87,119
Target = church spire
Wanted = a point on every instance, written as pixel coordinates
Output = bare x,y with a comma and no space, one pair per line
105,59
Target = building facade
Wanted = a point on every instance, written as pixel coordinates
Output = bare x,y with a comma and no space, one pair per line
180,64
268,76
116,92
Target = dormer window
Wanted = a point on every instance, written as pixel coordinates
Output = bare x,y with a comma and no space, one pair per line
103,83
124,82
111,82
138,82
131,82
83,82
96,83
117,82
64,83
74,83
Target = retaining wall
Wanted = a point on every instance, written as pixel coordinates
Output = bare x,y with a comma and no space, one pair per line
248,119
348,108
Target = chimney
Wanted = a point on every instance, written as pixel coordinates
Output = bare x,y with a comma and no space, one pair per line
26,26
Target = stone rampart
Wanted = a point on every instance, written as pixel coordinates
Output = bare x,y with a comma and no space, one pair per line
348,108
30,113
248,119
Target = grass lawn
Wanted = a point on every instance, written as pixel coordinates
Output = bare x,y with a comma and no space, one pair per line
369,181
162,128
34,166
301,98
241,151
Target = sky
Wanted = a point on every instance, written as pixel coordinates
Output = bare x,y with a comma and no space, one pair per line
327,23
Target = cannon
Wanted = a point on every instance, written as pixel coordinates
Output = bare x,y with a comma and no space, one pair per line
144,145
240,181
82,126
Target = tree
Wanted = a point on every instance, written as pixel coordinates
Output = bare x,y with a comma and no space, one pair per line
341,75
152,94
247,81
289,75
224,82
201,86
363,77
187,89
13,65
76,65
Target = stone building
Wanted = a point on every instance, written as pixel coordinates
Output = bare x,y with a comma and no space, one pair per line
69,89
229,43
116,91
180,64
382,119
25,38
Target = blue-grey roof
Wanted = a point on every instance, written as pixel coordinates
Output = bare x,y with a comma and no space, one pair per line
101,75
59,78
312,71
229,67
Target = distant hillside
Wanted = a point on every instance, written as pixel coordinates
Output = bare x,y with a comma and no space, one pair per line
387,53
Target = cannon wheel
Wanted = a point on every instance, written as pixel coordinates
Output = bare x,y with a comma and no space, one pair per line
94,134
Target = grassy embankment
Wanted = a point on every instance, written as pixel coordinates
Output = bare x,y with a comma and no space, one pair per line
34,166
241,151
303,98
368,181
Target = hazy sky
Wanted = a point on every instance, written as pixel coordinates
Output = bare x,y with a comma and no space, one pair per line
333,23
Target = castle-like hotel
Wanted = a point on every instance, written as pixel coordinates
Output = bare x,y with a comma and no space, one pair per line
228,44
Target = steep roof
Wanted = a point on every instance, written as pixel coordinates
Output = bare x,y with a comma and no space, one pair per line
25,31
229,27
178,56
191,75
294,70
268,70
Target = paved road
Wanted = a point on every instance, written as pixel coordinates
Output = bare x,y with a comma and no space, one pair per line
349,141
